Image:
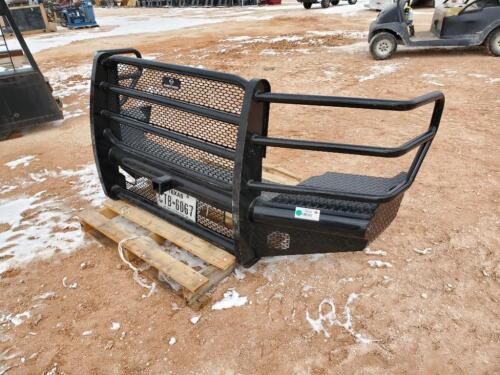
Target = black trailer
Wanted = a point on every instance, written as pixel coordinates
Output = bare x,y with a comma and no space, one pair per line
188,145
475,24
25,97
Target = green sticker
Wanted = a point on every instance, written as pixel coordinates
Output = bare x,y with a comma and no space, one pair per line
298,212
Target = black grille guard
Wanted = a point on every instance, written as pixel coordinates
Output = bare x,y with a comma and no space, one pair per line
166,129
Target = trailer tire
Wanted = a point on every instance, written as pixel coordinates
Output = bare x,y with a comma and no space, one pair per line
383,45
335,2
352,2
325,3
493,42
307,5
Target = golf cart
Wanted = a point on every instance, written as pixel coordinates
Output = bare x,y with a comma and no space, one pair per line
476,23
324,3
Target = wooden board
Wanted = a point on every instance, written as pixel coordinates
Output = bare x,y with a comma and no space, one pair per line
146,249
183,239
279,175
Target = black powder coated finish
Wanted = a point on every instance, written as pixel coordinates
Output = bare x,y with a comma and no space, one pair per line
157,127
25,98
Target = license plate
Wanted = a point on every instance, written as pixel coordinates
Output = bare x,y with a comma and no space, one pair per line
178,203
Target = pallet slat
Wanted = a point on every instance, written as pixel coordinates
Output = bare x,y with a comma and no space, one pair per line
279,175
146,249
183,239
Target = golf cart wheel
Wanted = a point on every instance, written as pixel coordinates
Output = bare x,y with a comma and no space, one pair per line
493,43
352,2
335,2
383,45
325,3
307,5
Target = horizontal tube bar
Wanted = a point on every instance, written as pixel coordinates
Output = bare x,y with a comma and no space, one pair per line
172,103
179,69
387,152
333,194
339,101
216,198
169,134
224,186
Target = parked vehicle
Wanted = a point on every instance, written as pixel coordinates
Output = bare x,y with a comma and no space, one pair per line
324,3
379,4
476,23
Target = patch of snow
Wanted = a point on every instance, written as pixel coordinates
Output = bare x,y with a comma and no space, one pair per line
86,333
43,296
493,80
305,290
115,326
378,71
119,26
379,264
431,75
386,279
5,338
341,34
330,319
174,306
184,256
172,341
195,319
68,81
369,251
16,319
33,230
331,72
268,52
346,280
310,258
476,75
349,48
53,371
291,38
269,271
66,285
88,185
7,189
238,39
239,273
435,83
231,299
24,161
425,251
77,113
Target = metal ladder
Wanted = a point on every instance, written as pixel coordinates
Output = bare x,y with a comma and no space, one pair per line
4,48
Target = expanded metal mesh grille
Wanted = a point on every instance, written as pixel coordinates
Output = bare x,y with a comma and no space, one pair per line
214,219
192,125
222,96
175,153
206,215
210,93
278,240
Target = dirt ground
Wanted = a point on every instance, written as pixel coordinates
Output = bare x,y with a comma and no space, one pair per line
433,306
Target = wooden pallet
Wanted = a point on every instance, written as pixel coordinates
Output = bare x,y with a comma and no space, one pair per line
194,284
